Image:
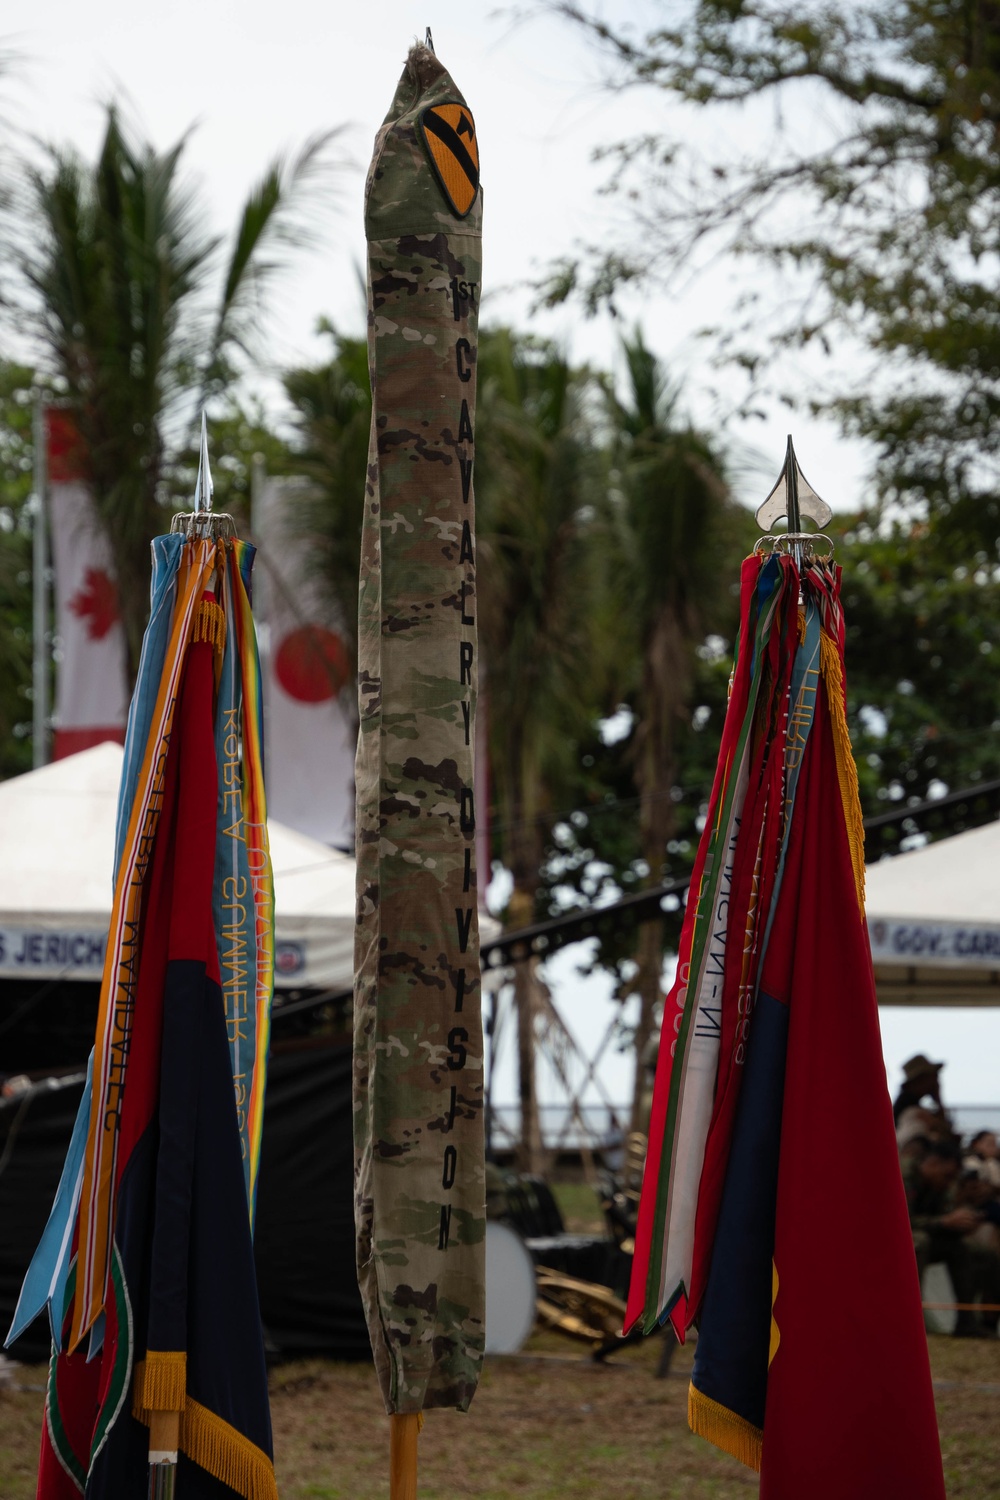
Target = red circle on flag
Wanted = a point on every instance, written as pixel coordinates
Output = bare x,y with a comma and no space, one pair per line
311,664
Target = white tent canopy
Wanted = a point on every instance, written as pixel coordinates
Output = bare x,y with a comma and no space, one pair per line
933,913
934,922
56,877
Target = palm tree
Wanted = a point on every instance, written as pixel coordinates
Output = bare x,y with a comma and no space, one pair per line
536,571
669,512
142,315
535,473
332,416
15,567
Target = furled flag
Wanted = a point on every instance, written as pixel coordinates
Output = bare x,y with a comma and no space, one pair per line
146,1264
91,701
310,724
420,1178
771,1104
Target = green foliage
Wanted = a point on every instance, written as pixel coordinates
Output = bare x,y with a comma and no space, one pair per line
670,533
923,647
672,491
875,191
537,472
120,295
672,523
332,416
595,850
16,452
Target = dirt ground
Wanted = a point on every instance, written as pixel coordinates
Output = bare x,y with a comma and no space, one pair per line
547,1423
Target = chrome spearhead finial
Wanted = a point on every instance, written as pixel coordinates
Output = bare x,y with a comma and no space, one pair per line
204,488
793,497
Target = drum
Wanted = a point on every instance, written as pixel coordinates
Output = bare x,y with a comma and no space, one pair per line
510,1290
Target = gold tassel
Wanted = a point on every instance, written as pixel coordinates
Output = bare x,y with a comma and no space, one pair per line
847,771
210,624
216,1446
164,1380
718,1425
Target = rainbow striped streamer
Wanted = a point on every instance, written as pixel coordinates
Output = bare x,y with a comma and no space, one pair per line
183,571
244,886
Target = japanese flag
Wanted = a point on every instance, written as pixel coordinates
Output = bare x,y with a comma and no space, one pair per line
310,716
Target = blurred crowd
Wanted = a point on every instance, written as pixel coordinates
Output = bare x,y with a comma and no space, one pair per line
953,1196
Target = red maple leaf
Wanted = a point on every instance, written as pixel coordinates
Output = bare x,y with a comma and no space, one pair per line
96,603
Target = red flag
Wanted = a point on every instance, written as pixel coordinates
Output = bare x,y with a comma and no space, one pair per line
811,1363
850,1409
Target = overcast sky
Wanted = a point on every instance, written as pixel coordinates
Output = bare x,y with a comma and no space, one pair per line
256,77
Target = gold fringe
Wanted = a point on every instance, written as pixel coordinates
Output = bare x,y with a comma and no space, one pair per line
216,1446
226,1454
847,771
164,1380
210,624
732,1433
775,1330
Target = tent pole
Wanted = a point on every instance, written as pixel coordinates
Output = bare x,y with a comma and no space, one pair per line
403,1430
39,593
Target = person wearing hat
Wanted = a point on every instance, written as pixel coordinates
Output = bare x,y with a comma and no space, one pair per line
921,1080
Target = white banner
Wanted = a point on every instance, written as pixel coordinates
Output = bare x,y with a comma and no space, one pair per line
91,702
51,953
310,693
954,945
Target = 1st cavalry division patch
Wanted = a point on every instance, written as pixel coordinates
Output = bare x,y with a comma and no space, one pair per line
450,138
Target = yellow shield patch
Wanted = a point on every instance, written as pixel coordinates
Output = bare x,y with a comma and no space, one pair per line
450,137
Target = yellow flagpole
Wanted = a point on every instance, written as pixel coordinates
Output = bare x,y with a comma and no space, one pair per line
403,1430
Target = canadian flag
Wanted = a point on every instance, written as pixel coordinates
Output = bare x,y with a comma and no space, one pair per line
91,700
310,715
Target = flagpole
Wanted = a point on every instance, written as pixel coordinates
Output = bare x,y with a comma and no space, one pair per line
403,1430
258,476
262,592
793,514
39,591
165,1423
164,1444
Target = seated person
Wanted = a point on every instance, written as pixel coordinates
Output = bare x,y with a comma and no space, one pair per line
974,1191
982,1155
943,1230
913,1147
917,1124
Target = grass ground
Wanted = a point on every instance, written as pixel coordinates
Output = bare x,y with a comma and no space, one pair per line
546,1423
579,1206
